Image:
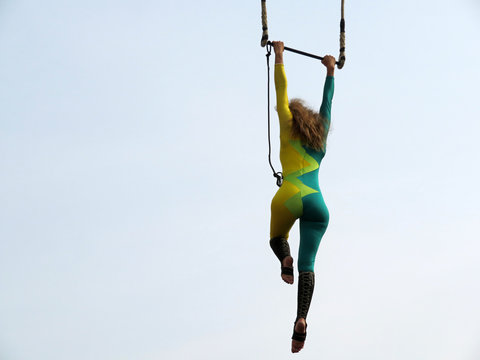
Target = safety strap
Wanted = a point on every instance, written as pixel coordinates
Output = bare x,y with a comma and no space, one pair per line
277,175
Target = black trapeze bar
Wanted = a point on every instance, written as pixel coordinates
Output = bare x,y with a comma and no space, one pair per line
300,52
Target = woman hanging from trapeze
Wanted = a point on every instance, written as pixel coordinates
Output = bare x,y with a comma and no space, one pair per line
303,135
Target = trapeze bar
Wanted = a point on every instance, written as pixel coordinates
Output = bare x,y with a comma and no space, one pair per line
300,52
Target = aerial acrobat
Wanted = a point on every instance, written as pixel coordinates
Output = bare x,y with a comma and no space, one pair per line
303,135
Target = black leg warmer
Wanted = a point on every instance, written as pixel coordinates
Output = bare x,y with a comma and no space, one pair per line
306,283
280,247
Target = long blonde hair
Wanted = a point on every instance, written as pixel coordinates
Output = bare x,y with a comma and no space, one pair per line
309,126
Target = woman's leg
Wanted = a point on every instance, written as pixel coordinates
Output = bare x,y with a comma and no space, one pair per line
306,284
284,212
313,225
286,208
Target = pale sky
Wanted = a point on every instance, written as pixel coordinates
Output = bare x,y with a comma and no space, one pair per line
135,187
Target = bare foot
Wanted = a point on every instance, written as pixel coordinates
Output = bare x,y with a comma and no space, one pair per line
287,262
300,327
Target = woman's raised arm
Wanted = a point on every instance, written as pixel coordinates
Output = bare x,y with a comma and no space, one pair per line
328,88
280,81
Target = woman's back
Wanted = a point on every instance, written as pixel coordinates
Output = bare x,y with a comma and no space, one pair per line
300,163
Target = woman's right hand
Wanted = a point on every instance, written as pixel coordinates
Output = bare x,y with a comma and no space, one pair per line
329,62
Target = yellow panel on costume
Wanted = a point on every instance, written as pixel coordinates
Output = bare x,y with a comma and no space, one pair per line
286,208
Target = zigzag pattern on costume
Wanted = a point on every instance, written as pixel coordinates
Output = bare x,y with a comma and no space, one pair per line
295,204
299,197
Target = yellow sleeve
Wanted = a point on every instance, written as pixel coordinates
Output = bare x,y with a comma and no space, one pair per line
284,114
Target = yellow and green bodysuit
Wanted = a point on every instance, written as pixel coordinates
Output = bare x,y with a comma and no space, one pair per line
299,197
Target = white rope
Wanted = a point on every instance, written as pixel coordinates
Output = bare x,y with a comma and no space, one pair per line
341,57
264,40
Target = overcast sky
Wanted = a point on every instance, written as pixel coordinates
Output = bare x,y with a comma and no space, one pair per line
135,187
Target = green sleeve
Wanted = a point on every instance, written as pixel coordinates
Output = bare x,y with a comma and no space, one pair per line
328,88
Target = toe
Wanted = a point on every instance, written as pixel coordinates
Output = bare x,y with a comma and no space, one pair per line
296,346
